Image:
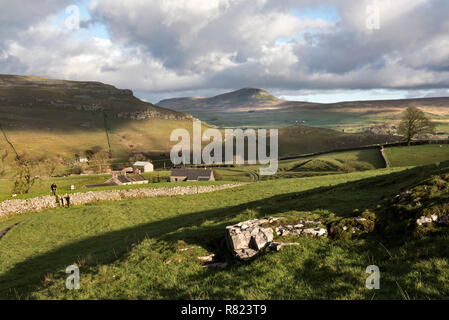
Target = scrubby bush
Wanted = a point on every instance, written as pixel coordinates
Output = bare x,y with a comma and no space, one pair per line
341,229
369,215
345,228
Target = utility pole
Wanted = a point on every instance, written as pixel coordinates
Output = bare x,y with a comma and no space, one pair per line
9,142
105,117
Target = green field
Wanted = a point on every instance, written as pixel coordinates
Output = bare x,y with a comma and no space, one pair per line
131,249
42,187
417,155
332,163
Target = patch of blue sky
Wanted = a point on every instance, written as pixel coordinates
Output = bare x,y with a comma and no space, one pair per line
96,30
327,12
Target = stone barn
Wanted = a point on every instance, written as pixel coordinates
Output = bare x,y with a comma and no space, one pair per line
191,175
143,166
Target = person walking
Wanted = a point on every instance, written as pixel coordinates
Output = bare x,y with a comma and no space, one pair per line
67,200
53,189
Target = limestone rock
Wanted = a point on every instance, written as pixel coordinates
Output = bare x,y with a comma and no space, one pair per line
245,254
423,221
315,232
261,238
208,258
246,238
279,245
303,228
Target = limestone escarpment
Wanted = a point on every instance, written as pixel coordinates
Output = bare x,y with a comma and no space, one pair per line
48,94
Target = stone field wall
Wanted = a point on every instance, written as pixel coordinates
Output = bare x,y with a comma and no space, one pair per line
17,206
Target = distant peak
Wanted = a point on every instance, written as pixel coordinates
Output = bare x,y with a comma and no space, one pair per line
248,93
253,90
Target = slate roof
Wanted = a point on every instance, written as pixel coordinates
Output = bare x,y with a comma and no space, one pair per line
141,163
192,174
132,177
106,184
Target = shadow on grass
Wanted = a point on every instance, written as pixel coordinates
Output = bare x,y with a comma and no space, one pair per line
21,280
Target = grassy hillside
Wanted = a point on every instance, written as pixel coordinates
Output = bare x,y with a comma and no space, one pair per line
297,140
45,118
148,248
417,155
333,163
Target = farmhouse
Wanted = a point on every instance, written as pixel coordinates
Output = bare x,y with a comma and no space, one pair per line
191,175
81,159
143,166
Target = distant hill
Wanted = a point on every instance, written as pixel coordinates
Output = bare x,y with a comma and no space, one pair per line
252,107
243,99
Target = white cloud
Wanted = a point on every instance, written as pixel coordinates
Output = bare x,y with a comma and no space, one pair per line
181,45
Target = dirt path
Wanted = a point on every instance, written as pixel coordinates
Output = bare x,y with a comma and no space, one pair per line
5,231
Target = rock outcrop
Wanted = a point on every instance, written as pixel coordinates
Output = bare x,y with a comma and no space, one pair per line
247,238
423,220
304,227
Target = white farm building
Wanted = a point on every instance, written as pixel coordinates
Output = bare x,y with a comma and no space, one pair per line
143,166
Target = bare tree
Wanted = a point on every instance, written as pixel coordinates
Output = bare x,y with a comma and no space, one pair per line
100,161
25,176
49,166
3,157
414,122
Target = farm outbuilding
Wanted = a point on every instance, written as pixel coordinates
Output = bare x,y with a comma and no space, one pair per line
143,166
191,175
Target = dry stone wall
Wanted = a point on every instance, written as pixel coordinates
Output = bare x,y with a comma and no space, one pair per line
17,206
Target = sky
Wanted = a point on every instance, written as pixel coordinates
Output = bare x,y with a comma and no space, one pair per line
305,50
